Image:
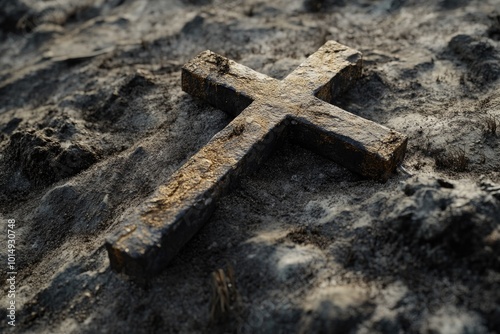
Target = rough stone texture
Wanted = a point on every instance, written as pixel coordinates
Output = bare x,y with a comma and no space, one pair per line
459,222
110,73
266,110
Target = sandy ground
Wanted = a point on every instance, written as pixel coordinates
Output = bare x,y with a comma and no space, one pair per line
93,119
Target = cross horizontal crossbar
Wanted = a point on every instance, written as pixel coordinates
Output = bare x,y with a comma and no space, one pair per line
265,111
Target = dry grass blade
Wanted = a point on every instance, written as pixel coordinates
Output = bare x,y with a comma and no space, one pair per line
225,297
453,159
490,125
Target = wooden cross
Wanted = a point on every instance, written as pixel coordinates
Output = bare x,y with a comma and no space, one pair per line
265,111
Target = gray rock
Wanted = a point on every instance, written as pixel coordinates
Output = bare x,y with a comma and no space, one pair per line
456,218
479,55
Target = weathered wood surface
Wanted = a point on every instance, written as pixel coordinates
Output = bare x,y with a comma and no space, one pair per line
266,110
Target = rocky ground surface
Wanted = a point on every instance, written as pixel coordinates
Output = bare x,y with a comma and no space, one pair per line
93,120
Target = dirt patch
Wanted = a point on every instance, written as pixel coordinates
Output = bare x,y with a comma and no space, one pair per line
93,120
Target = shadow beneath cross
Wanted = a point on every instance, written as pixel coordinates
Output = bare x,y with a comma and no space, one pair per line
251,230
